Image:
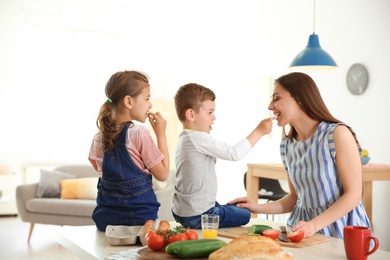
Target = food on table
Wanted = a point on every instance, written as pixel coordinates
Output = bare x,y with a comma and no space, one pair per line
271,233
155,240
283,235
194,248
148,227
251,247
365,153
191,234
164,225
174,237
258,229
296,236
180,233
158,239
209,233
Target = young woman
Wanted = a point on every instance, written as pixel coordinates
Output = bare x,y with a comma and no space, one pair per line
322,158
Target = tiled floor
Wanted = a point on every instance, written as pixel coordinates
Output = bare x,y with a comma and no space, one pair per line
42,246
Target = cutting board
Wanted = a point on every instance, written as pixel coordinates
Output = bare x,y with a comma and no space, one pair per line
146,254
243,231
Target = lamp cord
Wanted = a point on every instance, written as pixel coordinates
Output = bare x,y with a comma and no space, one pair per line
314,16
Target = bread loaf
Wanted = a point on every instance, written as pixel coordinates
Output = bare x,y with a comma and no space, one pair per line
251,248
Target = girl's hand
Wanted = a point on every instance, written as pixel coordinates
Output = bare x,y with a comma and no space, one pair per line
158,123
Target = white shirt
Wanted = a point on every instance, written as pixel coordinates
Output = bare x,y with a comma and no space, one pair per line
196,180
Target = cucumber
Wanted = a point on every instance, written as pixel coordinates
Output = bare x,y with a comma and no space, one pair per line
174,247
194,248
257,229
199,251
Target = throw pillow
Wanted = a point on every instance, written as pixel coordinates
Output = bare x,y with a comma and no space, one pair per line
80,188
49,185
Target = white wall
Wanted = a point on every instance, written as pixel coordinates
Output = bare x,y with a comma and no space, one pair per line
56,56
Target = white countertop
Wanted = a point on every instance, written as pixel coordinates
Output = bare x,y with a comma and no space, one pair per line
89,243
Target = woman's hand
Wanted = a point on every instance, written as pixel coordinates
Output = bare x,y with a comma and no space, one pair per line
245,202
307,227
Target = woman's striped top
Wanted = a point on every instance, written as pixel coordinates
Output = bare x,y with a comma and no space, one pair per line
311,166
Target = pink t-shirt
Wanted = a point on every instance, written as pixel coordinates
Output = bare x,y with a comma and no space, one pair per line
140,145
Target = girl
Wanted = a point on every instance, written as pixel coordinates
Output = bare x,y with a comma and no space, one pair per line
125,155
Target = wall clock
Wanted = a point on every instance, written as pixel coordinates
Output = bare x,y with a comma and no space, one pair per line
357,79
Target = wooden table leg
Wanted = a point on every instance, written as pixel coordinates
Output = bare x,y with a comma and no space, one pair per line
367,198
252,187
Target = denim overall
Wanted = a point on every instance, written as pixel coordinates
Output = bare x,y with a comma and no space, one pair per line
125,192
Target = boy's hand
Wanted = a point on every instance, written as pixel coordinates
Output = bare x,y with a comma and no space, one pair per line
158,123
265,126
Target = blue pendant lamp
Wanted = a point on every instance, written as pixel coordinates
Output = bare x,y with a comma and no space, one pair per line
313,57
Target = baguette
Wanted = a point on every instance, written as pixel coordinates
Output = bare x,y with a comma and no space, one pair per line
251,248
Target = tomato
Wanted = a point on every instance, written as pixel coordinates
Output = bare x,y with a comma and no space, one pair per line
176,237
155,241
296,236
191,234
271,233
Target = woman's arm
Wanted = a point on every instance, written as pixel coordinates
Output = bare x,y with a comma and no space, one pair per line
284,205
350,172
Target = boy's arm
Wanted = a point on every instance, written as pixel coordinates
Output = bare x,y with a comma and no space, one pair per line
263,128
209,145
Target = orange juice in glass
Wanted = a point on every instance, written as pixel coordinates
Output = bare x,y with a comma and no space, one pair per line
210,224
209,233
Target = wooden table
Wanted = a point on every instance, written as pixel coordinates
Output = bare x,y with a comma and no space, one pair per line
371,172
90,244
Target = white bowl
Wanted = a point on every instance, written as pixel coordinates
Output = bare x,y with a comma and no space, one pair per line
122,235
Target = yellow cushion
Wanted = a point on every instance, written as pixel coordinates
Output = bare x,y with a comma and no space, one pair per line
79,188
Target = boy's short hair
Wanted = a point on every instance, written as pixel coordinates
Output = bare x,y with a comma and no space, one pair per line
191,96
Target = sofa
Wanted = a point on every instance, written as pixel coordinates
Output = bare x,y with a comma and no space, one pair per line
73,210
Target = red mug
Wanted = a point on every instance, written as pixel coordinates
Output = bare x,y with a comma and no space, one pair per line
357,241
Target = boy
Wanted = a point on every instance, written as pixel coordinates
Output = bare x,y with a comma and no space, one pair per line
196,153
